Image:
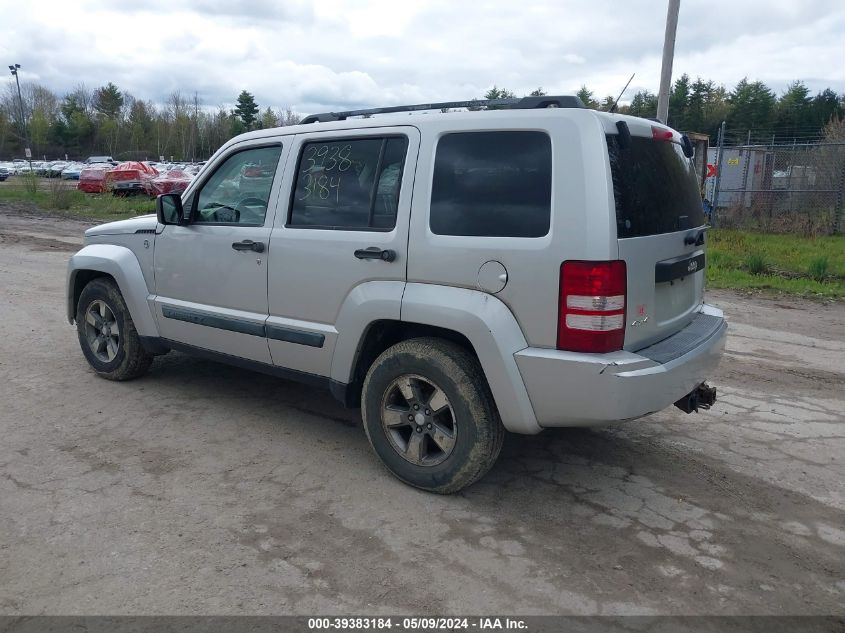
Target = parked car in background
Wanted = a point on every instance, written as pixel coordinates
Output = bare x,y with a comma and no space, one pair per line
5,172
171,181
92,179
255,178
55,169
100,159
129,178
15,166
72,171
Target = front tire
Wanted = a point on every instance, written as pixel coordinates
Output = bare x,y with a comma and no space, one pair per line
429,415
107,334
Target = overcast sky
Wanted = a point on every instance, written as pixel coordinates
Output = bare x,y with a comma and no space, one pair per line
336,54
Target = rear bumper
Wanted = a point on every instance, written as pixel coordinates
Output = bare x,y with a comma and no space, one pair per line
571,389
91,187
126,185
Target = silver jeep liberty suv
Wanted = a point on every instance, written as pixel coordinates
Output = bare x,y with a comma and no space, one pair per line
454,274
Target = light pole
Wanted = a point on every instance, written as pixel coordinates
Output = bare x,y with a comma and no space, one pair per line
14,70
668,56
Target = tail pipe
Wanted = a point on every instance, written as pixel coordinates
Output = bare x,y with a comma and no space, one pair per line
702,397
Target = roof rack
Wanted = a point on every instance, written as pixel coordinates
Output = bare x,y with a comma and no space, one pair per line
525,103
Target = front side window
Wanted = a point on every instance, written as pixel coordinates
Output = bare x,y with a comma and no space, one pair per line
493,184
349,184
238,192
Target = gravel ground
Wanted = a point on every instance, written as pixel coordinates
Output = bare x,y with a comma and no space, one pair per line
206,489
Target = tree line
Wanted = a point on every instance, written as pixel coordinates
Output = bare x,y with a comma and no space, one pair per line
110,121
701,105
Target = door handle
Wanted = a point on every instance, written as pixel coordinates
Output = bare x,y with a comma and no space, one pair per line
374,252
249,245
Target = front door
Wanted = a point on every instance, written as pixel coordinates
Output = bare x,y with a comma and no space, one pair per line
211,275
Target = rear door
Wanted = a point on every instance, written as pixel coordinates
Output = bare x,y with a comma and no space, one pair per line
659,222
343,223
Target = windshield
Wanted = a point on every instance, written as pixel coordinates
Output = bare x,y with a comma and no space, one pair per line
655,188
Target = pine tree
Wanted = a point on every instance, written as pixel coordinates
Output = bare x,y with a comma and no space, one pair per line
108,101
679,102
826,106
246,109
586,95
643,104
269,119
793,115
700,94
752,106
499,93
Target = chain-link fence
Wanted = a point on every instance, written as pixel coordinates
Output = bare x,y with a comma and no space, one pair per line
779,188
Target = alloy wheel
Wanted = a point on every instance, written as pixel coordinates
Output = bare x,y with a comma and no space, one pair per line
418,420
102,331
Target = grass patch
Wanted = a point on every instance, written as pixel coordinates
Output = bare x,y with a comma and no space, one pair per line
818,268
810,266
60,198
756,264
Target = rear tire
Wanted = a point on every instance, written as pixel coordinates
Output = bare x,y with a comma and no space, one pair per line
429,415
107,334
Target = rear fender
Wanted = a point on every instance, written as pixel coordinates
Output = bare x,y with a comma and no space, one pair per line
495,336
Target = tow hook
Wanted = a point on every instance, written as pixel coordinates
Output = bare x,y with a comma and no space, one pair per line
702,397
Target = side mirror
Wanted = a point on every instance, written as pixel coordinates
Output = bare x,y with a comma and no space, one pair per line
169,209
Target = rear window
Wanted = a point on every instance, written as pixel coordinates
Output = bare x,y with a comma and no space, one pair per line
349,184
655,188
493,184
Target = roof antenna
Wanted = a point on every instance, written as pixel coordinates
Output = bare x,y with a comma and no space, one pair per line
613,107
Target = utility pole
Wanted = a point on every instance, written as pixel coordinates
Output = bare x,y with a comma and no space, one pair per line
14,70
668,57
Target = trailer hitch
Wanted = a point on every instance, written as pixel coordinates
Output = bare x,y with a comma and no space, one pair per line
702,397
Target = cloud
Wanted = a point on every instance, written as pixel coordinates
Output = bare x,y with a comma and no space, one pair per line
339,54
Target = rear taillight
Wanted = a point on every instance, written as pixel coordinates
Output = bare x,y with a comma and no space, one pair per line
591,315
661,133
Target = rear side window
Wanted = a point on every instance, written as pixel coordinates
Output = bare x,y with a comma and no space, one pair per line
496,184
655,188
349,184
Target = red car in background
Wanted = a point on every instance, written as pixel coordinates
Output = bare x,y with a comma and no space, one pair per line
93,179
129,178
172,181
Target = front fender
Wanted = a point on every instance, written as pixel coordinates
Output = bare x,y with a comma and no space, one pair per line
120,263
495,335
